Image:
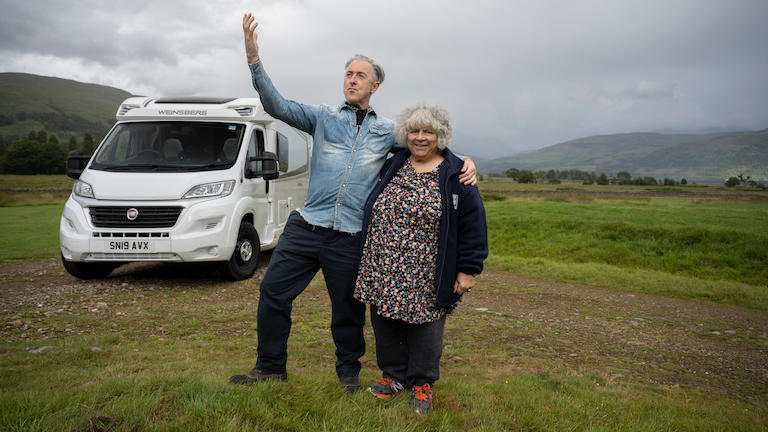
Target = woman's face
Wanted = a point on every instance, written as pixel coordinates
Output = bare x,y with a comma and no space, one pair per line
422,142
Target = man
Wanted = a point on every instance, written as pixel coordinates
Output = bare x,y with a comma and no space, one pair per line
351,143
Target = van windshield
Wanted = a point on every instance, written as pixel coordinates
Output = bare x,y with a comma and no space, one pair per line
170,146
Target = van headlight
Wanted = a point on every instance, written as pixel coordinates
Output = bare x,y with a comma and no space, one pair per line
217,189
82,189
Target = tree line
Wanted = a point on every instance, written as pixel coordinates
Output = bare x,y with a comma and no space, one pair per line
40,153
743,180
54,121
586,177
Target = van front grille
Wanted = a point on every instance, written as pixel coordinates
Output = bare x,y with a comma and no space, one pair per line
146,217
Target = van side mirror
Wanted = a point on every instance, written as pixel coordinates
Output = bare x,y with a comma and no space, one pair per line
263,165
76,163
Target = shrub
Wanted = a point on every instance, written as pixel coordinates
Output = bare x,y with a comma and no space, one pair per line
526,176
33,157
492,197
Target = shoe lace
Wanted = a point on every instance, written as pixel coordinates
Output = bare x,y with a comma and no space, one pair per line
422,392
385,381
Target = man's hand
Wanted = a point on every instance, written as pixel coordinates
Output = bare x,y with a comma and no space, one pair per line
249,31
468,173
464,283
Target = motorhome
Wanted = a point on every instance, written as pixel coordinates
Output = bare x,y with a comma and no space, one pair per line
184,180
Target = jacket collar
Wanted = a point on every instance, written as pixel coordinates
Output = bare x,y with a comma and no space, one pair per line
354,109
452,162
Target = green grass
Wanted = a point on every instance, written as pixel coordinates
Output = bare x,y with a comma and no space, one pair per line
671,246
164,354
30,231
507,184
24,190
39,181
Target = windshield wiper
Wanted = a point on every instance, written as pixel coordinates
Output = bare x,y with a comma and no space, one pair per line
130,167
206,166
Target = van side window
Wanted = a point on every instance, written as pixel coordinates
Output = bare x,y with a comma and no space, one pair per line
282,152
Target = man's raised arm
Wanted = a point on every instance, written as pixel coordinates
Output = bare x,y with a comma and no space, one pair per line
298,115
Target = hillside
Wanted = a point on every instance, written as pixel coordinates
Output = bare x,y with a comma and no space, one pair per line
699,157
60,106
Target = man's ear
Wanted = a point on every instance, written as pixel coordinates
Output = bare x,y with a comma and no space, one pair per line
374,87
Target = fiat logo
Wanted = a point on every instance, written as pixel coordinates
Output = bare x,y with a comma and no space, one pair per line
132,214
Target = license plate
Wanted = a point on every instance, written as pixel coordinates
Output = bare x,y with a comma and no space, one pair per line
129,246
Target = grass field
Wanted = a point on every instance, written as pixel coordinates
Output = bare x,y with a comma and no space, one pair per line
583,320
506,184
152,349
30,231
701,249
12,181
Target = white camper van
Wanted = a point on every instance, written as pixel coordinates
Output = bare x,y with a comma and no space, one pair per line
184,180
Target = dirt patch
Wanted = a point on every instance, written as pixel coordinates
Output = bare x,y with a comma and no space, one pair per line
627,336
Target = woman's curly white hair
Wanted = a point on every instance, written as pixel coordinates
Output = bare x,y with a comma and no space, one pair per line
432,117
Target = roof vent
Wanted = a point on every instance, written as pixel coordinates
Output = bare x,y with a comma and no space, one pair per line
245,111
123,110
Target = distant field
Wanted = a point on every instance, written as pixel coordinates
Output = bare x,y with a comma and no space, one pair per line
506,184
40,181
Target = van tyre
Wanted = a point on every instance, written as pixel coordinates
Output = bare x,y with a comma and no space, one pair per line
85,270
245,258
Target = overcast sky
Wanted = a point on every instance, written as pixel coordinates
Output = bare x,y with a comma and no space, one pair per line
514,75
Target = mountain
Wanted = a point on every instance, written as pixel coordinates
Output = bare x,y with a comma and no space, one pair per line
59,106
694,156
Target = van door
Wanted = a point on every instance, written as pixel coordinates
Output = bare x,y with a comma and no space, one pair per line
293,164
258,188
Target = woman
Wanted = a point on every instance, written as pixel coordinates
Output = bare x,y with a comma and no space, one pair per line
426,239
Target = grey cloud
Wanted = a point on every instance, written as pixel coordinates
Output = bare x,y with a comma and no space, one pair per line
514,75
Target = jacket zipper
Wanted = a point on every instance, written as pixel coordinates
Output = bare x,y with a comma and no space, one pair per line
439,275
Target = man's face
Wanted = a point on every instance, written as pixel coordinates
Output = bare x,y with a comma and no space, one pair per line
359,83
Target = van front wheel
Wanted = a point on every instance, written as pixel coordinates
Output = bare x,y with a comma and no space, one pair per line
83,270
245,258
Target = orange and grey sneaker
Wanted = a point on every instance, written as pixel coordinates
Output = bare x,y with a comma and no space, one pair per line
422,398
385,388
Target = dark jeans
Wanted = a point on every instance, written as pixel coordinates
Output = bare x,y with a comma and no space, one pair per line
300,252
409,353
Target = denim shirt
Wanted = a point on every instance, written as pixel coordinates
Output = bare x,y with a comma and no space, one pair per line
345,162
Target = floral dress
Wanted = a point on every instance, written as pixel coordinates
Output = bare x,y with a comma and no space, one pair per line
397,268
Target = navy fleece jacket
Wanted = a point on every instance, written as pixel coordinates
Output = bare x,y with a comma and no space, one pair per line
463,239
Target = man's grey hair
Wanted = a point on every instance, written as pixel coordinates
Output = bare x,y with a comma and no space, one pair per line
432,117
378,71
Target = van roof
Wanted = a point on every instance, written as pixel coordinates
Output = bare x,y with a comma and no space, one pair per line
193,100
187,108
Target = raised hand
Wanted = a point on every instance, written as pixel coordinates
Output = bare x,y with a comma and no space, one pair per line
249,31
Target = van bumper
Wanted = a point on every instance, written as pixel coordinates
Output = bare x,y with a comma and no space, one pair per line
202,232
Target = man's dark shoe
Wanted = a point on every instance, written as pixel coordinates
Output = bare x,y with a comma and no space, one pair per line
257,375
349,384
